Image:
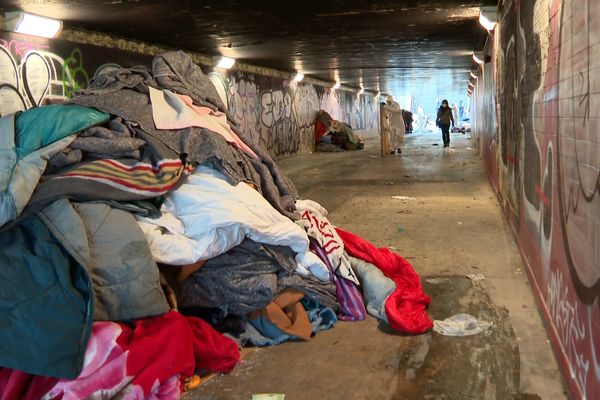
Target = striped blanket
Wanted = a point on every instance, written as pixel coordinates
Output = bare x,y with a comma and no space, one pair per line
111,179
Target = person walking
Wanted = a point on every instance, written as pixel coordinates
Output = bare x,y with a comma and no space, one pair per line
443,120
396,125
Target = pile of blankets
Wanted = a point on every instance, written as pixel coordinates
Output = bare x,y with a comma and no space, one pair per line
138,213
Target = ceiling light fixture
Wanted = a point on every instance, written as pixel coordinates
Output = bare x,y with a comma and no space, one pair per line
299,76
488,17
337,85
477,60
30,24
225,62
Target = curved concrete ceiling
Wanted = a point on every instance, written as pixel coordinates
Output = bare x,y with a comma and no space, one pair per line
390,45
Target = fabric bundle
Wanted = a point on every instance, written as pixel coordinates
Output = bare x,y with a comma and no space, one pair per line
139,216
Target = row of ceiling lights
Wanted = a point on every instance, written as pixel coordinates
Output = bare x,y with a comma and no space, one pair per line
488,17
48,27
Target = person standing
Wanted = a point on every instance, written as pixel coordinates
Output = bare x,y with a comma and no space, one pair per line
396,125
443,120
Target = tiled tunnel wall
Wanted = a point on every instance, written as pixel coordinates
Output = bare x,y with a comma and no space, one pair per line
538,123
280,111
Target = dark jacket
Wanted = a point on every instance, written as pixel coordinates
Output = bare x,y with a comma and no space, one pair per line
444,116
63,268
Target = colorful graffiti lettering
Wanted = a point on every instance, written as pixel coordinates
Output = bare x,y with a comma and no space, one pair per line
37,77
74,76
570,326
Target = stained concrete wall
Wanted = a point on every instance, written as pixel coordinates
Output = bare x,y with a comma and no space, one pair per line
265,102
537,119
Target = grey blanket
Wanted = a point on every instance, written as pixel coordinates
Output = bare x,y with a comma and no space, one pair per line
241,281
247,278
124,93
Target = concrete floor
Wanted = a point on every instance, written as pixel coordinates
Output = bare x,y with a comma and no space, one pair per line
453,227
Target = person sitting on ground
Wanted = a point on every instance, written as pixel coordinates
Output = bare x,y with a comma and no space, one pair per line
335,135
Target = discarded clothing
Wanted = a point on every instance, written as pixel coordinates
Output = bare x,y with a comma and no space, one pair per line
176,71
321,319
460,325
192,145
311,264
218,319
241,281
206,216
125,93
406,308
40,285
20,385
286,313
142,361
212,351
173,111
320,291
376,287
306,204
319,227
352,307
279,191
27,141
41,126
112,249
123,179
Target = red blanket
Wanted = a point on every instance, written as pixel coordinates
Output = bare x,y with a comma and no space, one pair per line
147,360
406,308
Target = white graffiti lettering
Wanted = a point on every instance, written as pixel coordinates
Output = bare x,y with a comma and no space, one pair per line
571,328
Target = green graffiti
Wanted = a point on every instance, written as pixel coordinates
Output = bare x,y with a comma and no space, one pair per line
74,76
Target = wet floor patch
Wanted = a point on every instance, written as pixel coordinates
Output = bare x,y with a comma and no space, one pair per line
481,366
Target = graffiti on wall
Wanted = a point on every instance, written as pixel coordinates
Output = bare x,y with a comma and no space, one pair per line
35,71
278,114
484,121
281,113
549,166
37,77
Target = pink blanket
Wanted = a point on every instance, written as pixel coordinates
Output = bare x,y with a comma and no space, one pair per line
147,360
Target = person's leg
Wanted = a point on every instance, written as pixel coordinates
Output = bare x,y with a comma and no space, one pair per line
400,140
446,134
443,134
393,140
